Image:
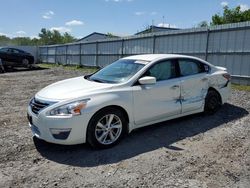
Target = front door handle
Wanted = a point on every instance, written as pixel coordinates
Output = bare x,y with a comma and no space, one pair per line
204,79
175,86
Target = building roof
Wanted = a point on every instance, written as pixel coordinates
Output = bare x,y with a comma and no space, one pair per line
154,29
96,33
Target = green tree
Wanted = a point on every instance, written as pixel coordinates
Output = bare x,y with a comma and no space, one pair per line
4,41
203,24
67,38
45,36
233,15
111,35
48,37
21,41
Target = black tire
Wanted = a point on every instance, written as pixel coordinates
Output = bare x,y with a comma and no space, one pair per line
94,131
31,67
212,102
25,63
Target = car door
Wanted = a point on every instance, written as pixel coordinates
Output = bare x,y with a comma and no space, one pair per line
18,56
194,84
161,100
5,55
11,55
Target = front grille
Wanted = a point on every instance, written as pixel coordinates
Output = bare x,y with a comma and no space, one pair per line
37,106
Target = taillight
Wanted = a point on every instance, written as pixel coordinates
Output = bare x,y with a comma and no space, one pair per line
227,76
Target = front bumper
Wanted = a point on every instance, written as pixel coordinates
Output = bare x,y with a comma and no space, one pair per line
59,130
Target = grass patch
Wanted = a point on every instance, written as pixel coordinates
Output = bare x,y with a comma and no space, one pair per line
241,87
70,67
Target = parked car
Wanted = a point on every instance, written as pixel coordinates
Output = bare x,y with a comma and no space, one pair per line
12,57
132,92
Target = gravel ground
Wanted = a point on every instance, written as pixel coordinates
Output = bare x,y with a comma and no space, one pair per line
194,151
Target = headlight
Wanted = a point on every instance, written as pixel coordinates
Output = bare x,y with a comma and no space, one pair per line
71,109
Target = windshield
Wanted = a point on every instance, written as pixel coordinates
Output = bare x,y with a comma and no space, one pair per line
118,72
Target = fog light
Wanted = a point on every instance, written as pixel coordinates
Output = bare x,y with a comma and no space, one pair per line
61,134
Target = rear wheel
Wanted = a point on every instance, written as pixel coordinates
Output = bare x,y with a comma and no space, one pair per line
106,128
212,102
25,62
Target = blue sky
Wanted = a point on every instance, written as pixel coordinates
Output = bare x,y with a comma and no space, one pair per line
120,17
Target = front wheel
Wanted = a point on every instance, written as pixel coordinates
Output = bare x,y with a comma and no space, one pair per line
106,128
212,102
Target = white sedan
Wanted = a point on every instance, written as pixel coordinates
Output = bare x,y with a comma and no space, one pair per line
132,92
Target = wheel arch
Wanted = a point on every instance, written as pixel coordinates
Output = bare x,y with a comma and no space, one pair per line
213,89
124,112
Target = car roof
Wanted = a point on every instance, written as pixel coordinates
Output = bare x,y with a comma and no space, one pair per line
154,57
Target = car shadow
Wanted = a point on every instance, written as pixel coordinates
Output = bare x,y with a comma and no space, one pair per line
140,141
23,69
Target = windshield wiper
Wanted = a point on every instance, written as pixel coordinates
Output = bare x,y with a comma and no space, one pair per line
96,80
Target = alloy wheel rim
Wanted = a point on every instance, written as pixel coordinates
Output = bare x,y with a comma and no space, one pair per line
108,129
25,61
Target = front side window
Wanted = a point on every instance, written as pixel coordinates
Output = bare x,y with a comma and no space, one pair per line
119,71
190,67
162,71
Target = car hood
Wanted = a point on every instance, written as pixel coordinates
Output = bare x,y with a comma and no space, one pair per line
71,88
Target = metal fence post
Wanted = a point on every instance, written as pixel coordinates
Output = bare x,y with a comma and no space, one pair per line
154,38
56,55
80,54
207,42
38,55
122,47
96,54
47,54
66,54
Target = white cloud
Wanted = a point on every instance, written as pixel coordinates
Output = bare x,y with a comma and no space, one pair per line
224,3
5,34
154,13
244,7
140,13
48,15
21,32
60,29
51,12
166,25
74,23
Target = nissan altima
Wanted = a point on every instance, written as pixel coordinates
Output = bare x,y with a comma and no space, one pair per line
130,93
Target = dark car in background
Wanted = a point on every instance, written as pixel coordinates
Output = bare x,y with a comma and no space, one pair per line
12,57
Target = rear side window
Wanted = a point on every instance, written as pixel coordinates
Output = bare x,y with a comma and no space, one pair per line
190,67
162,71
15,51
4,50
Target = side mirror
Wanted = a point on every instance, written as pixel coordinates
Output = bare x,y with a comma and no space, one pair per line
147,80
206,68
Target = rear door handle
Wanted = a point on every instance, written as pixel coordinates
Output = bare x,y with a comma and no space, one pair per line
175,86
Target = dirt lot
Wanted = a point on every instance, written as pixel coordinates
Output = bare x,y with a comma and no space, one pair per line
195,151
